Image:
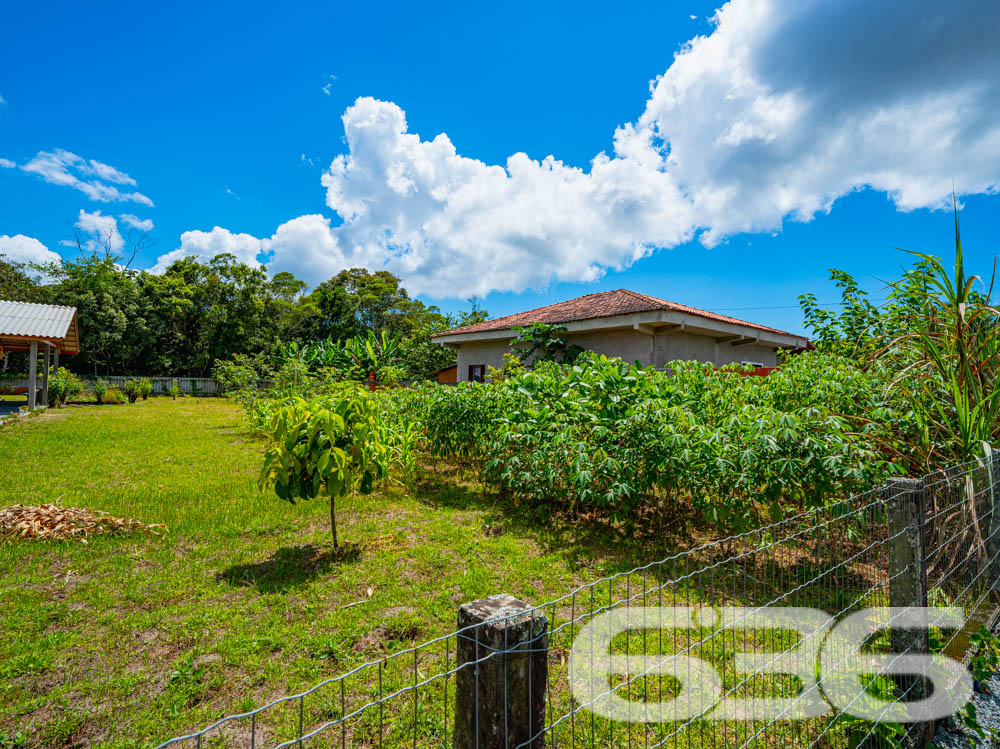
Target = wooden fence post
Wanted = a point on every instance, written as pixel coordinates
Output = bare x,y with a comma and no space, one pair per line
502,664
908,585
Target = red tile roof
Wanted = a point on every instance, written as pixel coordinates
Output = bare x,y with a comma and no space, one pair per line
602,304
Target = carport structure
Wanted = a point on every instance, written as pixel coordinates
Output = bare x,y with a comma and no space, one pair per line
33,328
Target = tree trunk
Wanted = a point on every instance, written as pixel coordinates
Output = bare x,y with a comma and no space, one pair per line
333,521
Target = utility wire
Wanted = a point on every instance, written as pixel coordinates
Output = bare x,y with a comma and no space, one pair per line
787,306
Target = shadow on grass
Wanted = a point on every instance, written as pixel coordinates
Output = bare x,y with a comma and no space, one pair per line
289,567
580,540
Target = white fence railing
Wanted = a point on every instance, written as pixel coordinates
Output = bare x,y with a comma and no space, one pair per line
161,385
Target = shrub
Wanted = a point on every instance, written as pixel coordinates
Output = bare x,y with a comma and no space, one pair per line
64,385
114,395
332,446
175,390
100,390
132,390
145,387
606,436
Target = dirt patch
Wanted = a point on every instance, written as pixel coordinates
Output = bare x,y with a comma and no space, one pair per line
384,636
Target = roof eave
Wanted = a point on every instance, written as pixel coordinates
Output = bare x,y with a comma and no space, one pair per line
680,321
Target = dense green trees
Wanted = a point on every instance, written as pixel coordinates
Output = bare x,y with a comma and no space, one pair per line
196,312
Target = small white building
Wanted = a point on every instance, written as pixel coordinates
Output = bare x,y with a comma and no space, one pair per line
629,325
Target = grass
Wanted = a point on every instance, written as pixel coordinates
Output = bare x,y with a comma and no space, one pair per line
129,641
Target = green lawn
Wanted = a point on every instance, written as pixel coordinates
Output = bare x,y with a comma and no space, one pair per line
128,641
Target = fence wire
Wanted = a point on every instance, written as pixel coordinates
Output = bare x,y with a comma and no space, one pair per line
839,559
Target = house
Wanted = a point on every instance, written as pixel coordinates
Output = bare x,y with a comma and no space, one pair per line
630,325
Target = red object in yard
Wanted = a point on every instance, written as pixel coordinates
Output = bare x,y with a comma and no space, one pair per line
759,372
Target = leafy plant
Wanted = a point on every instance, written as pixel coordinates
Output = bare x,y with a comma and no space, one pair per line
145,387
100,390
175,390
132,390
114,395
544,342
954,344
332,446
64,385
608,437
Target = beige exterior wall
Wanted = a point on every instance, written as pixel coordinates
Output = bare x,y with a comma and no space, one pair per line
630,345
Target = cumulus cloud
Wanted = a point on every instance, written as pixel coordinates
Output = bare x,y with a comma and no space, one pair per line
22,249
142,224
205,245
6,164
91,177
785,107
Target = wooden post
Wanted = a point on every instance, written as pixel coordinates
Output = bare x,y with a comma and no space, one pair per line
502,666
45,377
908,586
55,360
32,373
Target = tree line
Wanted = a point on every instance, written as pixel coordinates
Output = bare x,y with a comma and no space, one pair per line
196,313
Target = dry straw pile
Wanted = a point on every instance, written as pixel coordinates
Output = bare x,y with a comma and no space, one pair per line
51,523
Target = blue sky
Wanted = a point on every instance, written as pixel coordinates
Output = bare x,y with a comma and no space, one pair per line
788,138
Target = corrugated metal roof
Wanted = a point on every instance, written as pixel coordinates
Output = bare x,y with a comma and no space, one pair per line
35,320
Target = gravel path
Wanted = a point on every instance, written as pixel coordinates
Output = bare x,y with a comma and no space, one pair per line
950,735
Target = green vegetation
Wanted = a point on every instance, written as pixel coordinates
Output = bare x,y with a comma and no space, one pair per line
125,641
606,437
198,313
939,335
333,446
64,386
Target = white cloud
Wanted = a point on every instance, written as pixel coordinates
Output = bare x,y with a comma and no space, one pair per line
205,245
22,249
6,164
329,84
91,177
786,106
789,105
142,224
103,231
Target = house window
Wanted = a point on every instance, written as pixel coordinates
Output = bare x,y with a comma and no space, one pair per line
759,365
477,372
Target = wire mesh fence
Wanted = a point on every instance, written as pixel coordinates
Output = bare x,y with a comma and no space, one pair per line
700,621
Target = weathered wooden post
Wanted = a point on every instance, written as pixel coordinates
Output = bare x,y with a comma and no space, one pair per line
502,666
908,585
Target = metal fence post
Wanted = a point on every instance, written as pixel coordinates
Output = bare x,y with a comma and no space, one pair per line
502,664
908,584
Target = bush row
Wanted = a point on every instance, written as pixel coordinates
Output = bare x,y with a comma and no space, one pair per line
607,436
